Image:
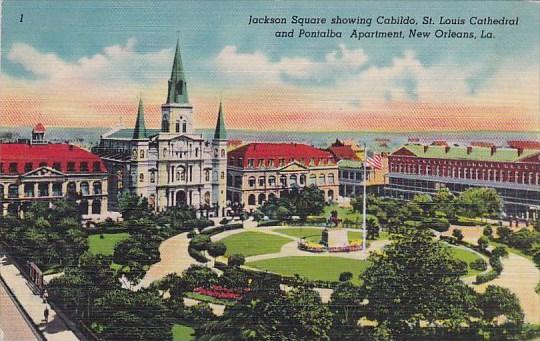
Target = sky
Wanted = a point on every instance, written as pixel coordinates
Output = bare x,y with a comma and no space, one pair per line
85,64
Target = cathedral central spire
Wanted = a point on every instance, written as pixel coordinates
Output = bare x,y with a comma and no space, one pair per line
177,83
220,133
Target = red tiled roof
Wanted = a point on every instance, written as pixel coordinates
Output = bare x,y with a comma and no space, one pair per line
524,144
39,128
277,151
343,152
47,153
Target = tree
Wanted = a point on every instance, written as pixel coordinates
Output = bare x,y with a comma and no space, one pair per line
236,260
425,202
457,234
346,305
415,280
345,276
133,207
217,249
483,242
504,233
372,227
500,251
445,201
199,276
479,202
500,304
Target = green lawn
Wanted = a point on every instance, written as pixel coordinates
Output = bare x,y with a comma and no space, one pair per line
106,245
342,212
313,234
254,243
325,268
467,257
182,333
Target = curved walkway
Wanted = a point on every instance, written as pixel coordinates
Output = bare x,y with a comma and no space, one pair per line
174,259
520,276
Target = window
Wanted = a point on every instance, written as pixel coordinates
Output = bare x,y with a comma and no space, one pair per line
251,199
97,187
181,175
13,191
164,152
223,153
57,189
260,163
177,127
330,179
184,126
222,175
84,188
196,152
43,189
152,177
29,190
13,167
27,167
293,180
43,164
84,166
262,181
281,162
141,154
251,181
302,179
141,177
271,181
56,165
313,179
250,163
283,180
322,179
270,163
71,166
206,175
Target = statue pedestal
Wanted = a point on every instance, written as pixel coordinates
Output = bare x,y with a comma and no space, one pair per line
335,237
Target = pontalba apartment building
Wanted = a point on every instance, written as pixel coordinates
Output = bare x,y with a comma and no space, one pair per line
42,171
173,165
257,172
513,172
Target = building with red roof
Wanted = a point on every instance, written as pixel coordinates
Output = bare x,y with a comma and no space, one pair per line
257,172
41,171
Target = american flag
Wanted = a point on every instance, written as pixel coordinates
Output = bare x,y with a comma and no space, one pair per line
374,161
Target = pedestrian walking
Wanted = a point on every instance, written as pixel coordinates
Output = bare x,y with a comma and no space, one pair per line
46,315
45,296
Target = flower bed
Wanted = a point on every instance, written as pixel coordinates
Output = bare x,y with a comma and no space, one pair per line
220,292
318,248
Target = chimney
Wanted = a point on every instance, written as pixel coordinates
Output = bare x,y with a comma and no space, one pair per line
447,149
493,150
520,151
469,149
425,148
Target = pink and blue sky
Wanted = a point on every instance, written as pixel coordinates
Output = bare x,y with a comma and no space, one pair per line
84,64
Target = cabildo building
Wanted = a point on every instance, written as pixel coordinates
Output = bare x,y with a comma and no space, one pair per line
513,172
257,172
42,171
171,166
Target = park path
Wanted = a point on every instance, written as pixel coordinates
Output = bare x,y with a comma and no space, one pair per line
32,303
520,276
174,259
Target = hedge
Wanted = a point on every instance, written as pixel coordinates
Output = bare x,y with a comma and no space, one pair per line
478,264
315,219
464,222
269,223
486,277
218,229
197,255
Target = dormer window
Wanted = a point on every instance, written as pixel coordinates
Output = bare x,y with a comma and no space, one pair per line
71,166
43,164
261,163
281,162
251,163
56,165
13,167
27,167
270,163
84,166
96,167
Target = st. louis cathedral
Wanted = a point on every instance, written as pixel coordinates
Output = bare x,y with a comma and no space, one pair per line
171,166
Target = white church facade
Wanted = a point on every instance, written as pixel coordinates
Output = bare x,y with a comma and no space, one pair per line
173,165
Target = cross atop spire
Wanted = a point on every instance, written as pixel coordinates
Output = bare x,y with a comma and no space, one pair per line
139,133
177,83
220,132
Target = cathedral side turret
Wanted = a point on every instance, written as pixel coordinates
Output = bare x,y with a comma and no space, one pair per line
219,162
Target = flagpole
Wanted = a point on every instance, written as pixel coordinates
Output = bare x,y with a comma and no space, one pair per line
364,235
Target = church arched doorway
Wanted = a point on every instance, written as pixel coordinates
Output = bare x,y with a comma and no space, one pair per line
181,198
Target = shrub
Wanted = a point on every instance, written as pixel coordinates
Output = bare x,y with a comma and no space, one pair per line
258,215
483,242
478,264
457,234
504,233
217,249
500,251
486,277
191,234
197,255
345,276
315,219
224,221
464,222
488,231
200,242
496,264
236,260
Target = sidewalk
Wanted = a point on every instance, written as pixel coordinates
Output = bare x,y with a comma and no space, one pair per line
32,303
